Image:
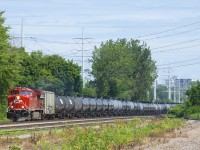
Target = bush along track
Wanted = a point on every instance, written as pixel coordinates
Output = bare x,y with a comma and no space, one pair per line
190,109
187,112
103,136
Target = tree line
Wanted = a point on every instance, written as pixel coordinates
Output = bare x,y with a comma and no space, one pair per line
121,69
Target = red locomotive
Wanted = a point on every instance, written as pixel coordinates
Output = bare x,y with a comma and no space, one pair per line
26,104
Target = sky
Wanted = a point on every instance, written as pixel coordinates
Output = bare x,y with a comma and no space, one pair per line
170,28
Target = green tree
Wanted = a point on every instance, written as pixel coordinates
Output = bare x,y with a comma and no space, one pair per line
51,83
31,69
63,74
194,95
162,93
9,64
49,72
123,69
89,90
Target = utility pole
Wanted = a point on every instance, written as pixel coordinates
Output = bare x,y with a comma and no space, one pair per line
174,89
13,40
155,94
179,91
21,35
169,84
82,56
17,41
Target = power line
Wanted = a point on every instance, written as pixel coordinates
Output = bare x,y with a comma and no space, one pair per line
180,61
76,56
168,30
58,42
176,44
45,48
109,26
176,49
171,34
48,41
92,26
181,65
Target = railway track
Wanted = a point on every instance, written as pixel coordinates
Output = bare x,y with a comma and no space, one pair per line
61,123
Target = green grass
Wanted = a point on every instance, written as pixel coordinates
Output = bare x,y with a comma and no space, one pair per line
195,116
107,136
169,116
13,132
4,120
118,135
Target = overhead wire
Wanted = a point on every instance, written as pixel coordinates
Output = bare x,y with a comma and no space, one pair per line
176,44
47,41
198,58
172,34
174,49
181,65
164,31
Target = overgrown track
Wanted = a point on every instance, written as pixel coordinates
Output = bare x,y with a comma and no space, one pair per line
61,123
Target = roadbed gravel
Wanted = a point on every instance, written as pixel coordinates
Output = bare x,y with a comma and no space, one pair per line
185,138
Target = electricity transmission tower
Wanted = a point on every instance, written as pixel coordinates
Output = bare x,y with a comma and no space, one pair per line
82,40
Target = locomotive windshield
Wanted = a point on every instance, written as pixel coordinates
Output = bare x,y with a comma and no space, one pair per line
24,93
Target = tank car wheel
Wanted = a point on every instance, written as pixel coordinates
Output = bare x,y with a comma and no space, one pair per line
42,116
49,117
15,119
79,116
61,116
29,117
71,116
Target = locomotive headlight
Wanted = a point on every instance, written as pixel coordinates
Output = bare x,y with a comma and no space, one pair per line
22,107
17,97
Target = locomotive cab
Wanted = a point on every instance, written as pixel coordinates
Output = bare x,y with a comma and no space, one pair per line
18,103
24,104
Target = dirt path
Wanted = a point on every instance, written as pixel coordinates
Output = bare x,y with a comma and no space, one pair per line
186,138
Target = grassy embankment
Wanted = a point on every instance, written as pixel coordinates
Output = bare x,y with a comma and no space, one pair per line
102,136
4,119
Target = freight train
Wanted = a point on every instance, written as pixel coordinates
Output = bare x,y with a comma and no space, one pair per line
28,104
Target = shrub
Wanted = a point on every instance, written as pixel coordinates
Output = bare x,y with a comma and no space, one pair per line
194,94
185,111
191,110
178,110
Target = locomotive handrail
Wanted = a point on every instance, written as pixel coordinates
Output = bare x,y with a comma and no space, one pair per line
9,106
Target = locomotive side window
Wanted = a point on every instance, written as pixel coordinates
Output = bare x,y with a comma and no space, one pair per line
13,92
42,96
24,93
